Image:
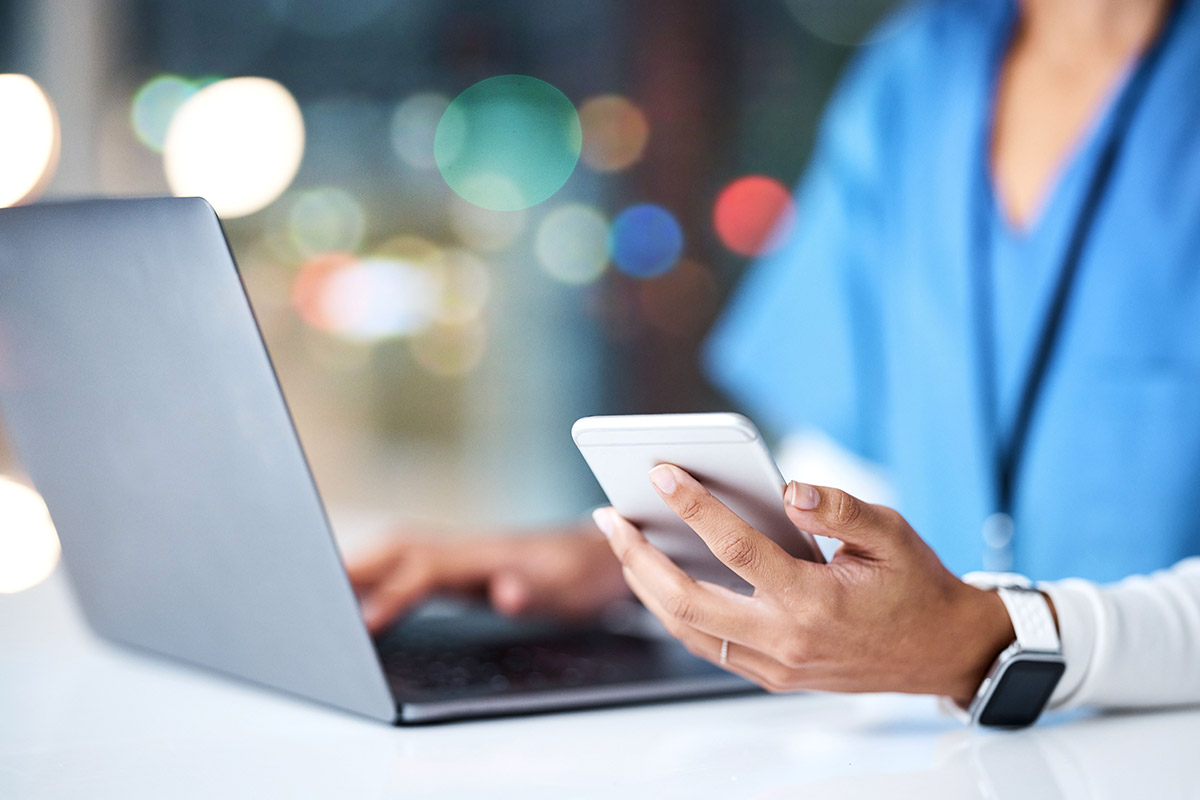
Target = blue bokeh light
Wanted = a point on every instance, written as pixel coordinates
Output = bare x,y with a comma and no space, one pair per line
646,240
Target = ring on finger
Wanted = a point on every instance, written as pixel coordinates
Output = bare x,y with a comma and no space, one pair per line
724,652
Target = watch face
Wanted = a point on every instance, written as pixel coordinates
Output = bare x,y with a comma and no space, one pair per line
1021,692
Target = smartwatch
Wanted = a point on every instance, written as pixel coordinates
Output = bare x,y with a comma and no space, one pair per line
1020,682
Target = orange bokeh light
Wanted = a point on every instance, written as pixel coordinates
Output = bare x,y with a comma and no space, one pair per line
615,132
309,289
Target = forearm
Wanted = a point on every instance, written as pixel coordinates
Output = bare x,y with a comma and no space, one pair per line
1132,644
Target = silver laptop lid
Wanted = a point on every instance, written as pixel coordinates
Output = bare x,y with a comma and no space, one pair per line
139,396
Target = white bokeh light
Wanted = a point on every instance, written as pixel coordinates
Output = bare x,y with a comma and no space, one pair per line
237,143
572,244
380,298
29,139
29,547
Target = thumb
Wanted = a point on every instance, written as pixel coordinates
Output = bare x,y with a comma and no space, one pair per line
839,515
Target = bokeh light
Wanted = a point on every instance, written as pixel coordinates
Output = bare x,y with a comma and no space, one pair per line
400,290
645,240
308,290
325,219
572,244
462,278
449,349
29,548
754,215
379,298
508,142
154,106
29,139
843,23
615,132
237,143
485,230
414,125
682,302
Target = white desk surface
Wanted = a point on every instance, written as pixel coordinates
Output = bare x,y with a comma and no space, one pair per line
80,718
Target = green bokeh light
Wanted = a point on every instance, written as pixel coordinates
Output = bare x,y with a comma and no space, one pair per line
508,142
155,104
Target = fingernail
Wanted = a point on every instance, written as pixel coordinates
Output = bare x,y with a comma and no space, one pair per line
802,496
510,594
663,478
603,521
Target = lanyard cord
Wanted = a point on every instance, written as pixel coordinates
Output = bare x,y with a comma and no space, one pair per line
1008,454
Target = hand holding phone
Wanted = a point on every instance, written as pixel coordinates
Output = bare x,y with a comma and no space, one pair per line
724,451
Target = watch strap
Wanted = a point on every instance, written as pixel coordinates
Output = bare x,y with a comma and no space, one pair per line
997,580
1031,619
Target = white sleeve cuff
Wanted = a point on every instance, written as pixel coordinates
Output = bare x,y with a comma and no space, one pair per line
1133,644
1078,605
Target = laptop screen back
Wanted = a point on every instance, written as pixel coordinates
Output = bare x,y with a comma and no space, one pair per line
140,398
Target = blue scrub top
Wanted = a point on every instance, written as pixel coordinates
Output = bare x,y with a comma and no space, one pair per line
862,324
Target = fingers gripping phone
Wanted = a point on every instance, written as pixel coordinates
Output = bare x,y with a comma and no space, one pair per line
724,451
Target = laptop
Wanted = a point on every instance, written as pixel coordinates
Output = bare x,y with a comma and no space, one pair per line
140,397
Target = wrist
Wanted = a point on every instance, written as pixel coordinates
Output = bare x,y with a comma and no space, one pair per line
985,631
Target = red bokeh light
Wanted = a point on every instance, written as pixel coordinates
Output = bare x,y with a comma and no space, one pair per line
309,289
754,215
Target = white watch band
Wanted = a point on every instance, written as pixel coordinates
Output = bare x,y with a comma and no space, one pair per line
1031,619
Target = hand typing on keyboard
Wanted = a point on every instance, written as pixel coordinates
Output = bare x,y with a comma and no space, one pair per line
569,575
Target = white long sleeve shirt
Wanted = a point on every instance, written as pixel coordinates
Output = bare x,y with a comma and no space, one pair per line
1132,644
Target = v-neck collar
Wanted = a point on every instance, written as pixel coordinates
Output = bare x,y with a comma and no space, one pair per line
1078,157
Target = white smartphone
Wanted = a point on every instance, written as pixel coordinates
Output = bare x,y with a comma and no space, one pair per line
724,451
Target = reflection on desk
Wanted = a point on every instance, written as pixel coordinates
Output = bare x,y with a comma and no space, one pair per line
81,718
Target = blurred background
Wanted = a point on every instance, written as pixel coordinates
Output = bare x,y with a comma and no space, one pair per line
438,321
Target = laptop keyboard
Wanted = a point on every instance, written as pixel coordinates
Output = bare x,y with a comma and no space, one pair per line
424,660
